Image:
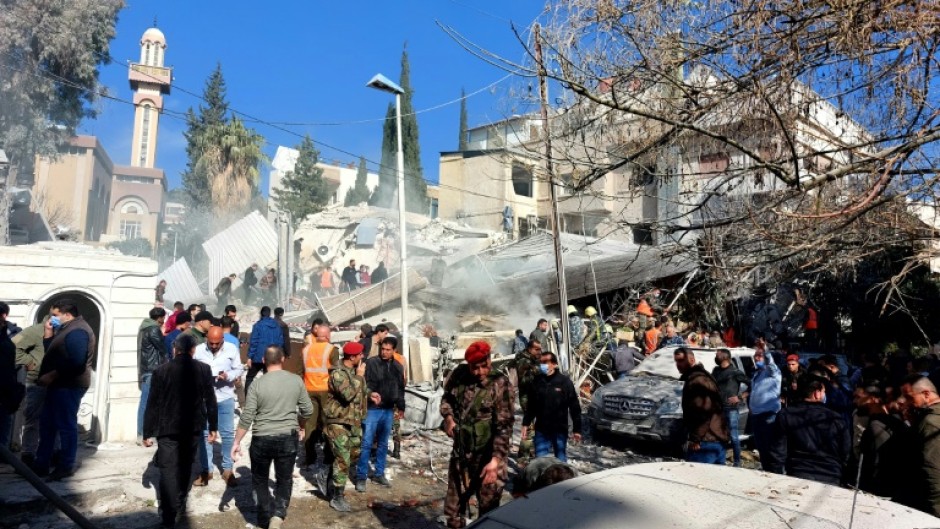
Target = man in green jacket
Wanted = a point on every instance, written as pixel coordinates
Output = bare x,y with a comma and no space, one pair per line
921,394
29,354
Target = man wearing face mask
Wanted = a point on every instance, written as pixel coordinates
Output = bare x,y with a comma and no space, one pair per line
810,440
551,400
765,404
729,379
66,373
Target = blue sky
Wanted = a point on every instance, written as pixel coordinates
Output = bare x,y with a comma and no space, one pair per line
308,62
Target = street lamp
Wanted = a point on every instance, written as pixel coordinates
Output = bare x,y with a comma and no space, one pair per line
380,82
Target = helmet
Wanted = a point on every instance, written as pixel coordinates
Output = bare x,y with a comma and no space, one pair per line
590,311
554,324
608,328
572,310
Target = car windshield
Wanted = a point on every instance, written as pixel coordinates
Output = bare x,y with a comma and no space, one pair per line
661,363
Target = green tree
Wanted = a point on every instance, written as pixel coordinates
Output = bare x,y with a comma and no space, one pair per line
416,189
360,192
134,247
229,155
462,142
213,113
303,191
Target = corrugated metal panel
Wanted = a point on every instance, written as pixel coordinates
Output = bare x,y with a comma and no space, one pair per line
250,240
181,284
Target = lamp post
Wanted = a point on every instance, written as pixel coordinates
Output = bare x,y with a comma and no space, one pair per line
380,82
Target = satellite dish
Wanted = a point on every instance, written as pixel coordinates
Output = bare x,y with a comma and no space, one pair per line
323,250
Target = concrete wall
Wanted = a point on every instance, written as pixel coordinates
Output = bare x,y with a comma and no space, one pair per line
31,275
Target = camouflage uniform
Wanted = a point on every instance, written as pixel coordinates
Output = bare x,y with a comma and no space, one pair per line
527,367
484,417
345,408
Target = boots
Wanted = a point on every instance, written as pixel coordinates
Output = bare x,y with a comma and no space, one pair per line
321,478
396,450
339,502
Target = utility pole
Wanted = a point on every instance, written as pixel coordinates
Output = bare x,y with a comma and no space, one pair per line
556,216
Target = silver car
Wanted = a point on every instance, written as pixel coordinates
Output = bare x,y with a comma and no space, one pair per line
647,403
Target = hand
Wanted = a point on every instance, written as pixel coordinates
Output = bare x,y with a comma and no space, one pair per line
375,398
733,400
576,437
361,370
223,376
490,472
301,434
236,452
148,442
695,446
399,414
46,379
449,426
212,437
524,432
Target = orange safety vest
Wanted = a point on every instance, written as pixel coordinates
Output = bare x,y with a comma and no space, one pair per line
811,322
326,279
317,365
652,339
401,360
644,308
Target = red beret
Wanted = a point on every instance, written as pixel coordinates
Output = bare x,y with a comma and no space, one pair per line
793,357
352,349
477,352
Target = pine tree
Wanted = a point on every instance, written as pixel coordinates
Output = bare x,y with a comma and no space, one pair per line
303,191
384,194
360,192
214,113
462,143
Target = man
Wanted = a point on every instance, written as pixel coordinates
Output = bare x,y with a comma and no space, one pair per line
810,440
226,367
625,358
249,280
519,342
542,334
540,473
794,372
223,291
271,411
887,448
365,338
527,368
477,408
385,379
151,354
702,411
200,327
575,326
921,395
29,355
765,404
183,323
670,337
651,337
11,391
839,389
232,312
551,401
170,324
285,330
592,327
381,333
227,323
349,282
345,411
380,273
181,401
729,379
71,350
265,332
325,280
319,356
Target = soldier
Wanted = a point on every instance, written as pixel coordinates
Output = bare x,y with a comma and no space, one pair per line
526,364
477,407
344,411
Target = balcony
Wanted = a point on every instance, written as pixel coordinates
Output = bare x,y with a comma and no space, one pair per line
159,75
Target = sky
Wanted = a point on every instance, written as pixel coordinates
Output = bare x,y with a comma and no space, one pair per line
307,63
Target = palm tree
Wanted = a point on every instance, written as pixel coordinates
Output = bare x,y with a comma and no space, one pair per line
230,159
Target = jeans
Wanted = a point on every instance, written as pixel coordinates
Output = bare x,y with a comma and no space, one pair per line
175,460
226,432
734,421
32,412
709,452
282,451
59,416
764,441
142,406
376,428
555,443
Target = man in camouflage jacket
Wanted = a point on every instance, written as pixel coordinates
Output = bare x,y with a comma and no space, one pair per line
345,409
477,407
526,364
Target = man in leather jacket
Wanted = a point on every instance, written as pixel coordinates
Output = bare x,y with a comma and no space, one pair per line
151,353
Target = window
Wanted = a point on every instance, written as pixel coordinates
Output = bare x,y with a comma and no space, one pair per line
713,164
136,179
522,180
130,229
643,235
643,176
133,207
147,54
145,136
432,208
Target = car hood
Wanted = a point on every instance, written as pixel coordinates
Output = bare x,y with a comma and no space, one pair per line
648,387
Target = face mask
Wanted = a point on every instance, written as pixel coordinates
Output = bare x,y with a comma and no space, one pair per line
760,365
543,368
55,322
717,361
824,398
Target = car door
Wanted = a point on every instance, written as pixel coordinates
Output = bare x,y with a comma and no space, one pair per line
745,364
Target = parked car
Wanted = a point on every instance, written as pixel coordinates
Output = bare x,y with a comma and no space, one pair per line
697,496
647,403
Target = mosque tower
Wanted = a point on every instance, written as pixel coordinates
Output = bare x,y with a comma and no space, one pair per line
150,80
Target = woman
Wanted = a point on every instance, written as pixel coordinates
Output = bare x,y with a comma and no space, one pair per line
364,278
160,291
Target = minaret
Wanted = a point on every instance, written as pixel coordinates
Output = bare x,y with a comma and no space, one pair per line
150,80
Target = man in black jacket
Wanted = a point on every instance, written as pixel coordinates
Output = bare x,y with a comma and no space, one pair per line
386,381
811,440
285,330
11,391
729,379
151,354
181,400
551,400
702,411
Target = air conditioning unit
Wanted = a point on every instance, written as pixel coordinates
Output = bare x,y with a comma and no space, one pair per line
325,253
